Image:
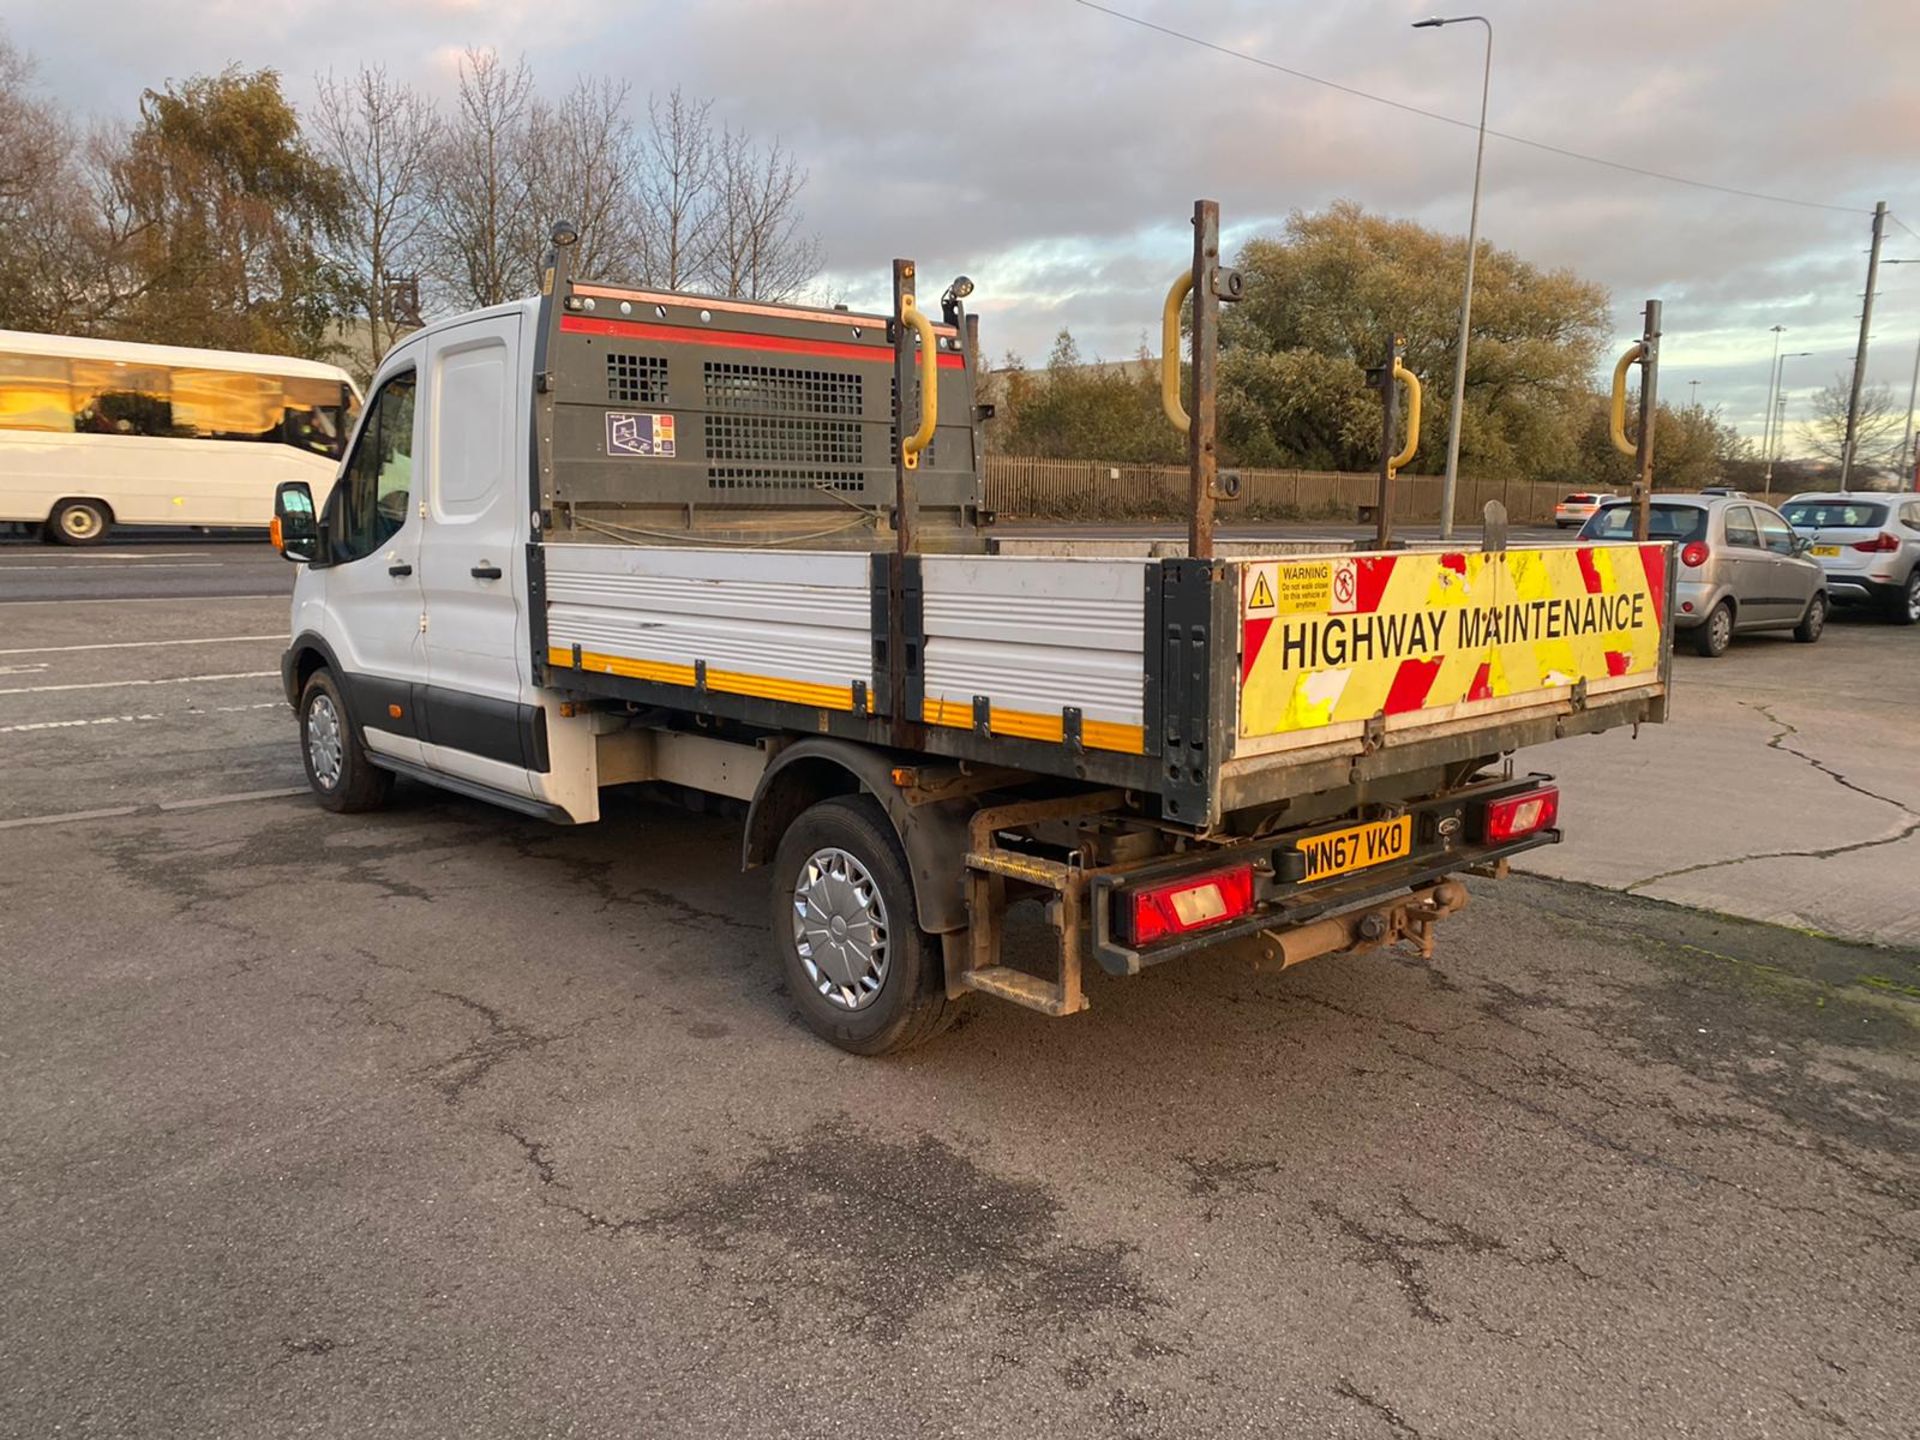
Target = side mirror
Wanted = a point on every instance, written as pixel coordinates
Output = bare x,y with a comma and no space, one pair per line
1801,543
296,529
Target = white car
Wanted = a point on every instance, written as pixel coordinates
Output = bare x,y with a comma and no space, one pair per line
1869,546
1578,507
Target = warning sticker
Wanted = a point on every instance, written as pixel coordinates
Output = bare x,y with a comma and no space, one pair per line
1297,587
630,434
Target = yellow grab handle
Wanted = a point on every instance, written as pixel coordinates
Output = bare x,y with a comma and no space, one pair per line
1617,417
1170,353
1412,382
913,444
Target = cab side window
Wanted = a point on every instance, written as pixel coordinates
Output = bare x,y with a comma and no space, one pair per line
1740,529
369,503
1775,533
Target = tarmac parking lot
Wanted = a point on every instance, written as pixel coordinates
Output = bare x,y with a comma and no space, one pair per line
443,1121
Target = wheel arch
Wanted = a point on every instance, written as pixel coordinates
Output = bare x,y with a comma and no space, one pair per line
934,836
306,654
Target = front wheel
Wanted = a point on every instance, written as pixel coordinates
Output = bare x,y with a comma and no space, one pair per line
342,778
78,522
1715,633
864,975
1813,622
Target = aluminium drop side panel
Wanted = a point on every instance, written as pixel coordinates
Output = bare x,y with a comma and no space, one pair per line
771,624
1045,643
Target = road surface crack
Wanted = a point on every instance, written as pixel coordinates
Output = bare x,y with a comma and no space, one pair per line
1398,1423
504,1039
1909,824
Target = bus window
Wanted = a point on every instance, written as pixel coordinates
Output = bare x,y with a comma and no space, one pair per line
110,398
226,405
317,417
33,394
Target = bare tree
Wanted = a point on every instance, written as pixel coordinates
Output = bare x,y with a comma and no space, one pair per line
584,163
480,196
61,234
760,252
382,137
1877,437
677,201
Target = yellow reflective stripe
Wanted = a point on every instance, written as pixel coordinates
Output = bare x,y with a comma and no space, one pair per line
726,682
1030,725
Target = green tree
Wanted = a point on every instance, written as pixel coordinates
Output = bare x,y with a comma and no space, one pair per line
236,220
1082,411
1692,448
1338,284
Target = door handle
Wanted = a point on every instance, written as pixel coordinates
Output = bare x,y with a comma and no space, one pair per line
399,569
485,572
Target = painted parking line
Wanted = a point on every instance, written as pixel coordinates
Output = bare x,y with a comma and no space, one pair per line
26,727
165,807
136,644
280,595
6,570
123,684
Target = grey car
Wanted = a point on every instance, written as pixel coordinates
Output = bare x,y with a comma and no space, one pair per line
1740,567
1869,546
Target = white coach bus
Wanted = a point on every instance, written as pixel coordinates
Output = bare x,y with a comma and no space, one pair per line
98,433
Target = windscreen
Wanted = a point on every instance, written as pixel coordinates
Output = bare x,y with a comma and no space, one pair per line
1834,514
1664,522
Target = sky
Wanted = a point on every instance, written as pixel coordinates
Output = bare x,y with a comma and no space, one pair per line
1053,152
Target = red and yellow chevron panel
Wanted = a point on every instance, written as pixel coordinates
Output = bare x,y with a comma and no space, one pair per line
1329,639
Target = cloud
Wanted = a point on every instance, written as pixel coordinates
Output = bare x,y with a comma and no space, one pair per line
1053,153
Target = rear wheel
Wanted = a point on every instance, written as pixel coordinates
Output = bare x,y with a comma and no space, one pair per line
78,522
343,779
1905,609
1715,632
1813,622
865,977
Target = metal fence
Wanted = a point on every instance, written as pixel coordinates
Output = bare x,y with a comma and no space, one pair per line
1023,487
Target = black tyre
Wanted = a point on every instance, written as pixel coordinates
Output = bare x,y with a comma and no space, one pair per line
1814,622
1905,609
864,975
79,522
343,779
1715,633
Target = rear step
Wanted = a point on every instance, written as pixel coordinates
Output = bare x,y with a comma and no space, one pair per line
1022,989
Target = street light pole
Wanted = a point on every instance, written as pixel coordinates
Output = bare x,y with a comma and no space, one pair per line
1777,419
1773,383
1450,484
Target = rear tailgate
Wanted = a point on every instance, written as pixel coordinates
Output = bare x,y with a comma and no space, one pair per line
1370,653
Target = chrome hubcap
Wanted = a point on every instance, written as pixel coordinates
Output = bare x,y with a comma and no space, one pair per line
840,928
323,741
1722,628
1913,600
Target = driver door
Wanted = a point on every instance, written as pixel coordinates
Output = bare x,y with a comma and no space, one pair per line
370,538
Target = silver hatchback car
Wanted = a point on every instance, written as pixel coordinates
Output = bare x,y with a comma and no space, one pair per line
1740,565
1869,545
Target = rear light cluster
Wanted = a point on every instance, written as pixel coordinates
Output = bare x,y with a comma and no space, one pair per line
1694,554
1879,544
1181,907
1518,816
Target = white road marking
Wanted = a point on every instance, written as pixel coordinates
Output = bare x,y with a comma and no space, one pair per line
19,669
281,595
150,557
120,812
121,684
6,570
133,645
27,726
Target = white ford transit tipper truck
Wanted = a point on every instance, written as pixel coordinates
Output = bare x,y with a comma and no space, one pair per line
608,536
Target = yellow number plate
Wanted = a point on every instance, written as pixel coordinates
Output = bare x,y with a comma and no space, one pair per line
1826,549
1340,851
